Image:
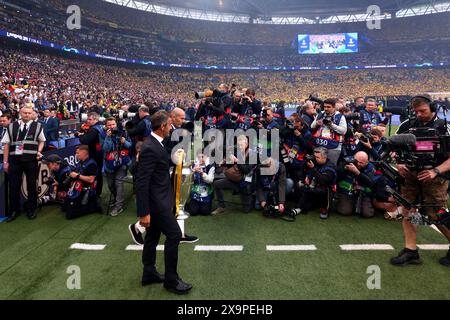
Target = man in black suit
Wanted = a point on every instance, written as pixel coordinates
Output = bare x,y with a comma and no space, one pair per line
51,128
155,200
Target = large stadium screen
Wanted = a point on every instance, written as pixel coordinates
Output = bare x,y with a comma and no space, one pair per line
327,43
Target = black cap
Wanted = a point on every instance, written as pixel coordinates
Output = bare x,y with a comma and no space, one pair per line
53,158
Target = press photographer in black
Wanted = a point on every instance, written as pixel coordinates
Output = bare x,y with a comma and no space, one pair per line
58,181
317,187
141,131
423,177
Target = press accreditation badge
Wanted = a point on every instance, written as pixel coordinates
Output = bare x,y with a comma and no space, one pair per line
19,149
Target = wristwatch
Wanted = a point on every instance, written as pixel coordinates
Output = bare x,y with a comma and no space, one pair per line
437,171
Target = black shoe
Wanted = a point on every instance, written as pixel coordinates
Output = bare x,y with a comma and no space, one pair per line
178,287
151,279
31,215
12,217
445,261
406,256
136,235
188,239
288,217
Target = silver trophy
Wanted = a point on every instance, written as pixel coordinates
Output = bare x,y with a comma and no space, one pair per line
183,183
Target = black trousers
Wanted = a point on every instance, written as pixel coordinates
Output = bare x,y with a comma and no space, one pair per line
167,224
310,199
74,209
198,208
16,171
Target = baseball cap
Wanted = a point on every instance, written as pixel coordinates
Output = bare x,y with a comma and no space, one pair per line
52,158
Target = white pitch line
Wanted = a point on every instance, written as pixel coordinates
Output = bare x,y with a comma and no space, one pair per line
351,247
218,248
309,247
135,247
435,228
433,246
87,246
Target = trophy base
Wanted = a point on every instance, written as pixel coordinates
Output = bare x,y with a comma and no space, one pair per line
182,215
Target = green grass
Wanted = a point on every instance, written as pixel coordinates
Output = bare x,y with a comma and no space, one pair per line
35,256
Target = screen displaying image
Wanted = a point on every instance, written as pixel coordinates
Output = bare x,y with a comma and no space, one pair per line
327,43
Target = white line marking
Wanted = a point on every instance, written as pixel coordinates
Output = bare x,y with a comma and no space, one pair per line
309,247
218,248
350,247
86,246
433,246
435,228
135,247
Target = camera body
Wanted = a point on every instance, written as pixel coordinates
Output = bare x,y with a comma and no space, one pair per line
327,121
310,157
366,138
350,160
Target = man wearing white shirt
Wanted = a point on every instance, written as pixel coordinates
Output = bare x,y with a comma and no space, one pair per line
23,144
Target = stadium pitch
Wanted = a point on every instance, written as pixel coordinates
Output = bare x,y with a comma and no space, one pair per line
239,256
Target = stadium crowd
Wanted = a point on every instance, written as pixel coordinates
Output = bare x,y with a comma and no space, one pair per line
47,22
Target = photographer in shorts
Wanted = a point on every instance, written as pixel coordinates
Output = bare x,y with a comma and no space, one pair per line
423,178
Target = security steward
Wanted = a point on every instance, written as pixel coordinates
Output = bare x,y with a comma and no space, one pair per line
23,144
428,184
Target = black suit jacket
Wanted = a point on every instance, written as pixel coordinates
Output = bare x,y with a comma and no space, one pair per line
154,191
51,128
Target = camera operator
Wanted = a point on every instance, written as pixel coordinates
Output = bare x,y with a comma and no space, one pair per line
359,105
356,179
142,130
429,184
247,109
318,185
296,142
370,116
269,123
58,181
271,188
328,130
81,197
242,179
214,109
279,114
371,144
93,139
116,149
308,112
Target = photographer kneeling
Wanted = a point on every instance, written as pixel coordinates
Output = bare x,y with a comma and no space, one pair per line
271,182
238,178
116,150
58,181
320,180
81,197
355,183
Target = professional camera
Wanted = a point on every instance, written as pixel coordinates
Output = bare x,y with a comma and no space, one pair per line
314,98
350,160
310,157
366,138
327,120
216,93
420,148
352,116
49,181
290,125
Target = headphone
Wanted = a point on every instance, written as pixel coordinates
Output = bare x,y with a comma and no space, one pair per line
433,105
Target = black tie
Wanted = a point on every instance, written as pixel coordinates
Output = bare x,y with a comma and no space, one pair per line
23,133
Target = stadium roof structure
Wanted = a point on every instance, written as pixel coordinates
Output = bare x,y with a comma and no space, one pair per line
288,11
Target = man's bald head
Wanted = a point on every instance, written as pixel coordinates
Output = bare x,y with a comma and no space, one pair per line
178,116
362,158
